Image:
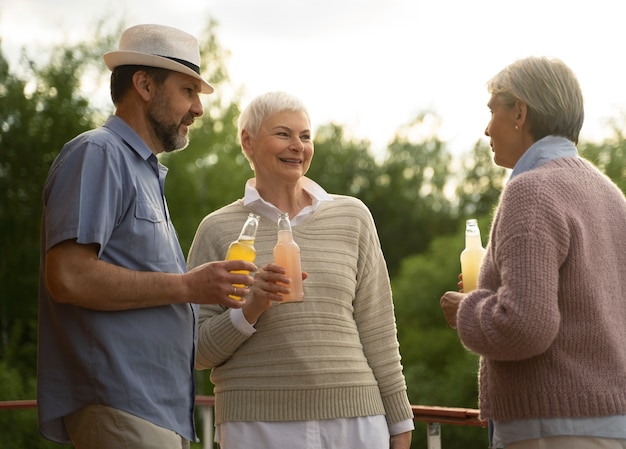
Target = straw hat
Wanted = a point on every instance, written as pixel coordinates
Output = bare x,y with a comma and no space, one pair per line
159,46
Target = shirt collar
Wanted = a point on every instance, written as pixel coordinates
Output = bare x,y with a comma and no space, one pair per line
129,136
542,151
253,200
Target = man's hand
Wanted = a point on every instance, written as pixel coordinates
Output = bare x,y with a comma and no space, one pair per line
216,282
74,275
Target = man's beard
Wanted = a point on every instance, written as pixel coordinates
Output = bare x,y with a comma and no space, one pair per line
167,133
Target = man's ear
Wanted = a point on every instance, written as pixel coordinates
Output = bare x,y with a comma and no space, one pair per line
142,83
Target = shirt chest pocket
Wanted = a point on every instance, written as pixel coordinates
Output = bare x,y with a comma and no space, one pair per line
151,239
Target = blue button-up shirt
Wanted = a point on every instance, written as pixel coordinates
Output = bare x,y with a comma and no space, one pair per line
106,187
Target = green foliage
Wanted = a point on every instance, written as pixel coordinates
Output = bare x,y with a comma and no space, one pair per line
438,370
610,155
18,428
39,112
408,198
340,165
482,184
428,345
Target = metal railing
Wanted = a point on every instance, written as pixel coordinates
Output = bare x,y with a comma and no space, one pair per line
434,417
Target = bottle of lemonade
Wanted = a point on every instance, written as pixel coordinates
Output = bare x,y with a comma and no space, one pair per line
243,247
287,255
471,256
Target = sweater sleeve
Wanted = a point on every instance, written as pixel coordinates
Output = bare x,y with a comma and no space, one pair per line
515,313
375,320
218,338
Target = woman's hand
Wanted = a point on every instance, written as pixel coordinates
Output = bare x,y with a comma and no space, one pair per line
450,303
401,440
264,291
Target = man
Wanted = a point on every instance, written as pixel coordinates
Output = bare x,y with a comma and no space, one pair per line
117,309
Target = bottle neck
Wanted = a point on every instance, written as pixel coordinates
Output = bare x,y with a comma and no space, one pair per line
248,232
473,241
285,236
283,223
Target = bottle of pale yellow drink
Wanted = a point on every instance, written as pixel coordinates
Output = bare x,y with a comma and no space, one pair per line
471,256
287,255
243,247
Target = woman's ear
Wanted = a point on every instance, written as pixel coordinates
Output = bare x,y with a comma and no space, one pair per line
247,147
521,110
246,141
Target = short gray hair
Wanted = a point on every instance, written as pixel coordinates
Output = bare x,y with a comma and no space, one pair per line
266,105
551,92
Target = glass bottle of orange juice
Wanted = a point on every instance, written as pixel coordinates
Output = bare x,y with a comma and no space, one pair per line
243,247
287,255
471,256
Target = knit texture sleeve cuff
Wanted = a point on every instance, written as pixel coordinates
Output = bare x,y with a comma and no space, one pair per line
240,322
397,408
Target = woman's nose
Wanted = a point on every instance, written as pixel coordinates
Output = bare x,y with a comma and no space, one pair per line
297,145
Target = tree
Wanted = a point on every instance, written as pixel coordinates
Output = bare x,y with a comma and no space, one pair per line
39,112
407,196
482,183
341,165
610,155
438,370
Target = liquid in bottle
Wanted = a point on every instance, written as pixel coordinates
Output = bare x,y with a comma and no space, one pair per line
243,247
287,255
471,256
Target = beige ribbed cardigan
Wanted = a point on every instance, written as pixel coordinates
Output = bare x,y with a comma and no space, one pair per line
334,355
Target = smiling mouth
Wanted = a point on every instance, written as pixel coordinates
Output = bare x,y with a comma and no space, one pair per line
291,161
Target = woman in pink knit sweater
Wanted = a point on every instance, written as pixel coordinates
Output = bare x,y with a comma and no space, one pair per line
549,316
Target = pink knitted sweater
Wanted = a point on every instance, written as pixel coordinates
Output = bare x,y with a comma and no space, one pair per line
549,317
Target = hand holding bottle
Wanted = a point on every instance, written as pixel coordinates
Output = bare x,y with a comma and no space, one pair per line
460,283
212,282
270,286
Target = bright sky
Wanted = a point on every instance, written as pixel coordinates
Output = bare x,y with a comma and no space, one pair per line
370,65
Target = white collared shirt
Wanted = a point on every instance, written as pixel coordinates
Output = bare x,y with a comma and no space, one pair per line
252,199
